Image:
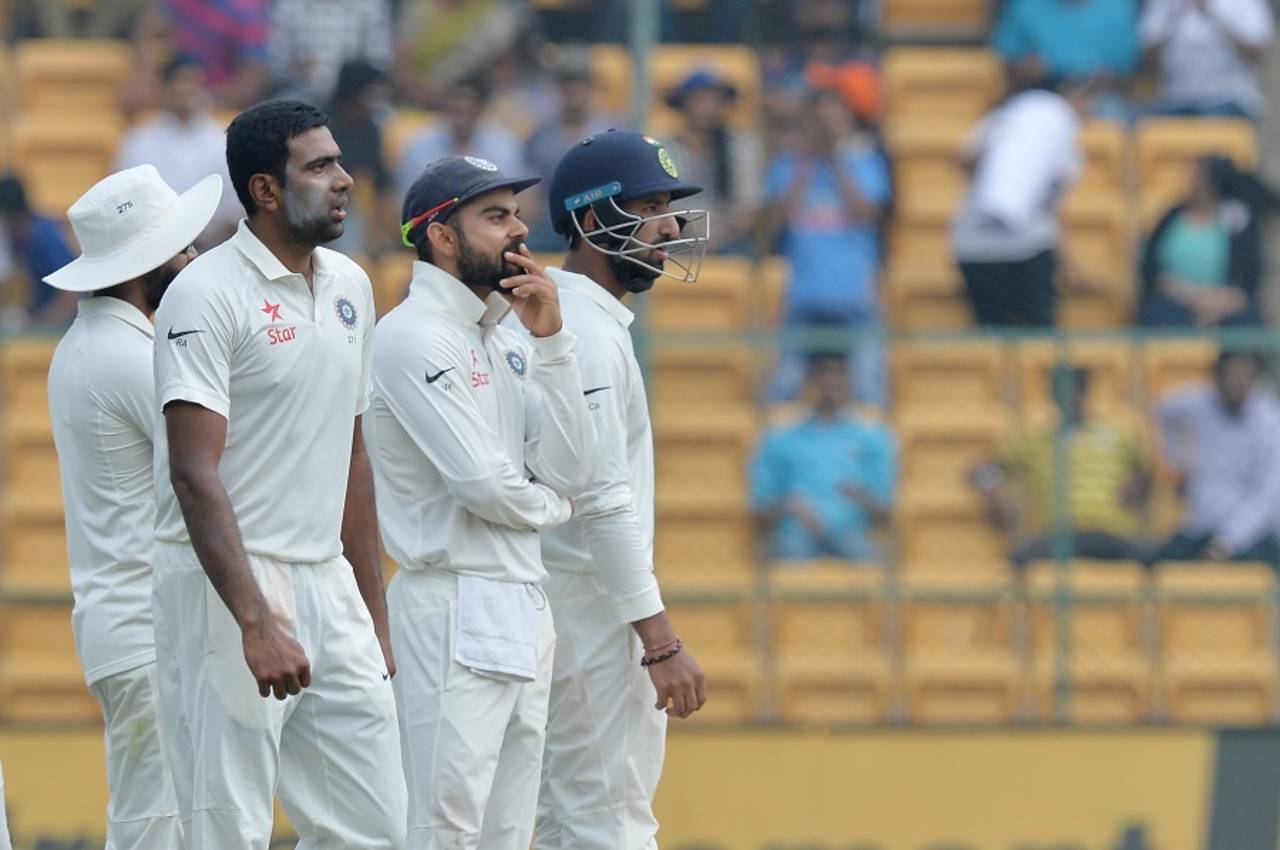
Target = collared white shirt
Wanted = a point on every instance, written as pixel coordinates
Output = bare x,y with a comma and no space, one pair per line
611,532
477,432
102,403
241,335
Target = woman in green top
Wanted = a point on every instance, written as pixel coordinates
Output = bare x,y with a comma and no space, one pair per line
1203,261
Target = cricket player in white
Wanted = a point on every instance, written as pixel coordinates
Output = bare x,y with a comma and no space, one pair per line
478,434
136,235
266,565
620,668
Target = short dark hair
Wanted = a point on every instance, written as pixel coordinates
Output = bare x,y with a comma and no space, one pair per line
176,64
1226,355
13,195
258,142
821,358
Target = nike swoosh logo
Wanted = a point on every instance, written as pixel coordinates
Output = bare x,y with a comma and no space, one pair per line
431,379
596,390
181,334
386,676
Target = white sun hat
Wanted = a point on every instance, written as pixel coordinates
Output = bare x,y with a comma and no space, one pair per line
131,223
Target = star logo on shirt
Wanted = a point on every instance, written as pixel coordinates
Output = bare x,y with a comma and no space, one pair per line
272,310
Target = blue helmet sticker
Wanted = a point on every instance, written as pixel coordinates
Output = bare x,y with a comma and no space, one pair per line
584,199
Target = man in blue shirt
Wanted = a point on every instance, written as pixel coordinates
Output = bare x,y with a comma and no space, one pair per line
822,486
827,203
1071,38
39,248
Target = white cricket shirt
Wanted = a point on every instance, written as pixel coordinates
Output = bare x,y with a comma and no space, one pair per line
241,335
611,532
102,403
478,433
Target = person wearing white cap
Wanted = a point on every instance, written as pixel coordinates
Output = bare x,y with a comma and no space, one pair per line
266,558
136,234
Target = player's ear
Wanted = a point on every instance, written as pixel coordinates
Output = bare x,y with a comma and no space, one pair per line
444,240
589,220
265,190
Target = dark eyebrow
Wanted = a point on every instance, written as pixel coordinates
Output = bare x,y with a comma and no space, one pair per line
323,160
499,209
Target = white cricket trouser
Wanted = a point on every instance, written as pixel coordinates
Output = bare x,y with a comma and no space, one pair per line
605,739
472,744
142,813
332,752
5,843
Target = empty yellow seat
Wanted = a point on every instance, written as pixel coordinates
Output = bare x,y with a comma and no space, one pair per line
722,637
932,83
921,298
831,646
938,454
611,70
390,277
40,676
671,63
702,463
705,548
936,379
406,124
1168,364
1217,642
702,384
1099,238
24,369
77,76
1167,147
960,663
1089,624
936,17
717,301
928,178
33,546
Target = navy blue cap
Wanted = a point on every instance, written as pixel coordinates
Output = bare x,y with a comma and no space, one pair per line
702,78
617,164
447,184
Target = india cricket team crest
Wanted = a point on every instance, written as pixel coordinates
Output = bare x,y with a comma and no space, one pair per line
664,159
346,312
516,362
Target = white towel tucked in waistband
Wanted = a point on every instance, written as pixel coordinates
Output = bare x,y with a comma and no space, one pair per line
498,628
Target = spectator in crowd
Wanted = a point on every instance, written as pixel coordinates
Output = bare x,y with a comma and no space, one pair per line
820,488
1203,262
359,95
576,118
185,124
829,32
37,247
312,39
226,38
1208,53
1105,478
1072,38
465,131
728,162
827,202
69,19
1022,158
441,43
1224,441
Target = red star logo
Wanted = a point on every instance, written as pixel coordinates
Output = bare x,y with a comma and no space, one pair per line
272,310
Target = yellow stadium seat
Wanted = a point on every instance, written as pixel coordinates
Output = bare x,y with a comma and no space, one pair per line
1171,363
949,533
40,677
1217,641
928,177
1099,239
1108,160
960,662
30,462
719,300
935,379
922,298
936,17
721,635
24,369
611,70
957,85
1167,147
671,63
704,548
75,76
702,462
773,274
33,545
1110,365
390,277
1109,663
708,383
938,454
60,155
831,646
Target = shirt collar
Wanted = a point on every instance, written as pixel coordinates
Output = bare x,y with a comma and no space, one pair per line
587,287
267,263
105,305
441,292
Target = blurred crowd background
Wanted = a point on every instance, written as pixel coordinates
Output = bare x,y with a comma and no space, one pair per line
970,417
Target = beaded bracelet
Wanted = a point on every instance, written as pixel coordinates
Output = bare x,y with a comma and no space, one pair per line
666,656
660,648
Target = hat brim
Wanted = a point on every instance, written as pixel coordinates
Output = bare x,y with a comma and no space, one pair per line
515,184
191,215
